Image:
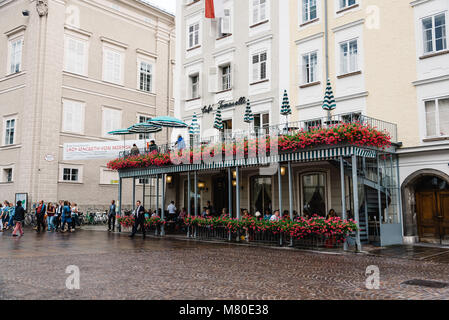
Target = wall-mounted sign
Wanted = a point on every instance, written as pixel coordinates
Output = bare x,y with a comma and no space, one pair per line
223,105
98,150
49,158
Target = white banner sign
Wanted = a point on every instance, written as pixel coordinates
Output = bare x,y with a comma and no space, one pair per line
99,150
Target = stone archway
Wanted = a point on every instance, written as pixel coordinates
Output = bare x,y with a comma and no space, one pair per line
409,200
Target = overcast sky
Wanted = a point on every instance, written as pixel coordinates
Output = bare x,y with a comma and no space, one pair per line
168,5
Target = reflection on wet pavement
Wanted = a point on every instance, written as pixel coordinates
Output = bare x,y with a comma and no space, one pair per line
113,266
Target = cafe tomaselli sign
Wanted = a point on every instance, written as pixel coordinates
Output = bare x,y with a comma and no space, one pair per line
224,105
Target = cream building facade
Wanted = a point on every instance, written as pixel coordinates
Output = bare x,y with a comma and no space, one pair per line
71,71
387,60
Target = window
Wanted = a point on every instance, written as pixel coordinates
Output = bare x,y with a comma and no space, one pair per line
309,10
437,117
314,194
75,55
7,175
226,78
351,117
261,194
144,136
194,35
145,76
349,57
73,116
194,86
10,130
225,26
434,31
309,67
259,62
70,174
15,55
112,66
112,120
261,122
346,3
259,11
312,124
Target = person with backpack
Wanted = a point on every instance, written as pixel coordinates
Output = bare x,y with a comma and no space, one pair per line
19,217
40,216
66,217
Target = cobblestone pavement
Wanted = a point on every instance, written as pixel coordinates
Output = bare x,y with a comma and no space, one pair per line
112,266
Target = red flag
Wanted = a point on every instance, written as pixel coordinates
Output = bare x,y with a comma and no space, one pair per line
214,9
210,10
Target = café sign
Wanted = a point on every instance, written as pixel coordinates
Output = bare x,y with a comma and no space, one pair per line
224,104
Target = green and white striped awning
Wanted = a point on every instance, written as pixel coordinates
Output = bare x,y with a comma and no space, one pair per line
303,156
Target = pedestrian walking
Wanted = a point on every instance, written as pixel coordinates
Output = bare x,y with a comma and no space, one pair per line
139,219
40,216
51,211
66,217
58,215
19,217
111,216
1,217
11,213
75,216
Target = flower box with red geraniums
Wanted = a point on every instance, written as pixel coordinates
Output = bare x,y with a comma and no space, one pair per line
342,134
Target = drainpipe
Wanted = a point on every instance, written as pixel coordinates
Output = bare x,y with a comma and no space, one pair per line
326,46
326,38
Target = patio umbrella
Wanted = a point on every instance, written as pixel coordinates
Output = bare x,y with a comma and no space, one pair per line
249,116
218,123
121,132
329,100
168,122
144,128
194,127
285,109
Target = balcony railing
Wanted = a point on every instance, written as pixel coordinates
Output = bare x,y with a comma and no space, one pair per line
288,128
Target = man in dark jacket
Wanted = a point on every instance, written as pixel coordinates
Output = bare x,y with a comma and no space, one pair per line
139,219
19,217
111,216
40,216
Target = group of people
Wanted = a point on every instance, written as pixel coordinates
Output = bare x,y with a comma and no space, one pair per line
12,217
60,217
152,147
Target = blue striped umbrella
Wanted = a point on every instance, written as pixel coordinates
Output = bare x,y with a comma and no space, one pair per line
144,128
121,132
194,128
168,122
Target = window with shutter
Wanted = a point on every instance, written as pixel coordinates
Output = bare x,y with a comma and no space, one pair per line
15,55
437,117
112,66
259,11
73,116
111,120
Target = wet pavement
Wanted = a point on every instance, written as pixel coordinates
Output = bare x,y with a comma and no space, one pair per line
113,266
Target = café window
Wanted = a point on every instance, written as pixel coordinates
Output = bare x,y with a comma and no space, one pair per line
313,191
261,194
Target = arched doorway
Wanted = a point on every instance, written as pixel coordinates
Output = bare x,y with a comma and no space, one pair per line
426,206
